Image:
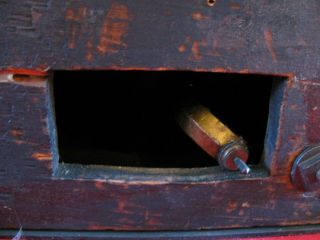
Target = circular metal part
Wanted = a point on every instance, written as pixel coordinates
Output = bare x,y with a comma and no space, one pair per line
305,172
211,3
232,151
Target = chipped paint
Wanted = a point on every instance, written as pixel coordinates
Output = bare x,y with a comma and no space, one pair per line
220,70
182,48
16,133
196,55
198,16
245,70
268,37
75,17
232,206
115,27
42,156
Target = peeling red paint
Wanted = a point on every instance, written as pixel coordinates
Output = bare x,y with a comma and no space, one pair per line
89,56
232,206
196,55
198,16
78,16
182,48
42,156
245,70
268,36
75,18
16,133
114,28
220,69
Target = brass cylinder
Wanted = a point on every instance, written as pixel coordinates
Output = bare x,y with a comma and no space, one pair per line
212,135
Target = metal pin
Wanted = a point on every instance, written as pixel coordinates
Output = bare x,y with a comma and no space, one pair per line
242,166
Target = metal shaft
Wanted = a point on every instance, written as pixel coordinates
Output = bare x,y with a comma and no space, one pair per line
214,137
241,165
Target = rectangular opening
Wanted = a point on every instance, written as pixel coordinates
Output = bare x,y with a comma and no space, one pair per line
126,118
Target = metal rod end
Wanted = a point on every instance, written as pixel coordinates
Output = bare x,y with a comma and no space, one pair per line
242,166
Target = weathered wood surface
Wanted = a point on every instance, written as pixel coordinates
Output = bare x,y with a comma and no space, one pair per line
234,35
31,198
276,37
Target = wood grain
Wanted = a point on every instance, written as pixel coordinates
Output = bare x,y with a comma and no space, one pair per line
254,36
276,37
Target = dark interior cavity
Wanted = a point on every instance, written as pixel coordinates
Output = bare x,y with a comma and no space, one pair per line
126,118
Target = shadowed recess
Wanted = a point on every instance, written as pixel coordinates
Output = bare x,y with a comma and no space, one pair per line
127,118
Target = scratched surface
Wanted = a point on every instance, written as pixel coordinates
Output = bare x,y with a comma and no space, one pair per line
32,198
256,36
253,35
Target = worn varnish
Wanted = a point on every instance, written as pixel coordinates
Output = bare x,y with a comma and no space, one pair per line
257,36
254,36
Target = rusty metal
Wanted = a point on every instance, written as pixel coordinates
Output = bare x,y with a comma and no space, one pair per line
214,137
305,173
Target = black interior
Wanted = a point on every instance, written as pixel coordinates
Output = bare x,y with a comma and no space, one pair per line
126,118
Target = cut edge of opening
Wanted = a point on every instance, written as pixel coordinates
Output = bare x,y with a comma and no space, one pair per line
204,174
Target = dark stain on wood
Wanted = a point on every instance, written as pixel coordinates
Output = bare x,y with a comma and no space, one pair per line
265,37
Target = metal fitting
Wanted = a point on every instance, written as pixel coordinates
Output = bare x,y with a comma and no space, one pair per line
305,172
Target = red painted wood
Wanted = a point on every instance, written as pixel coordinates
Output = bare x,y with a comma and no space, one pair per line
255,36
232,36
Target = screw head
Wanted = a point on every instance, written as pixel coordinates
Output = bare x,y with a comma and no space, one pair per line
305,172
